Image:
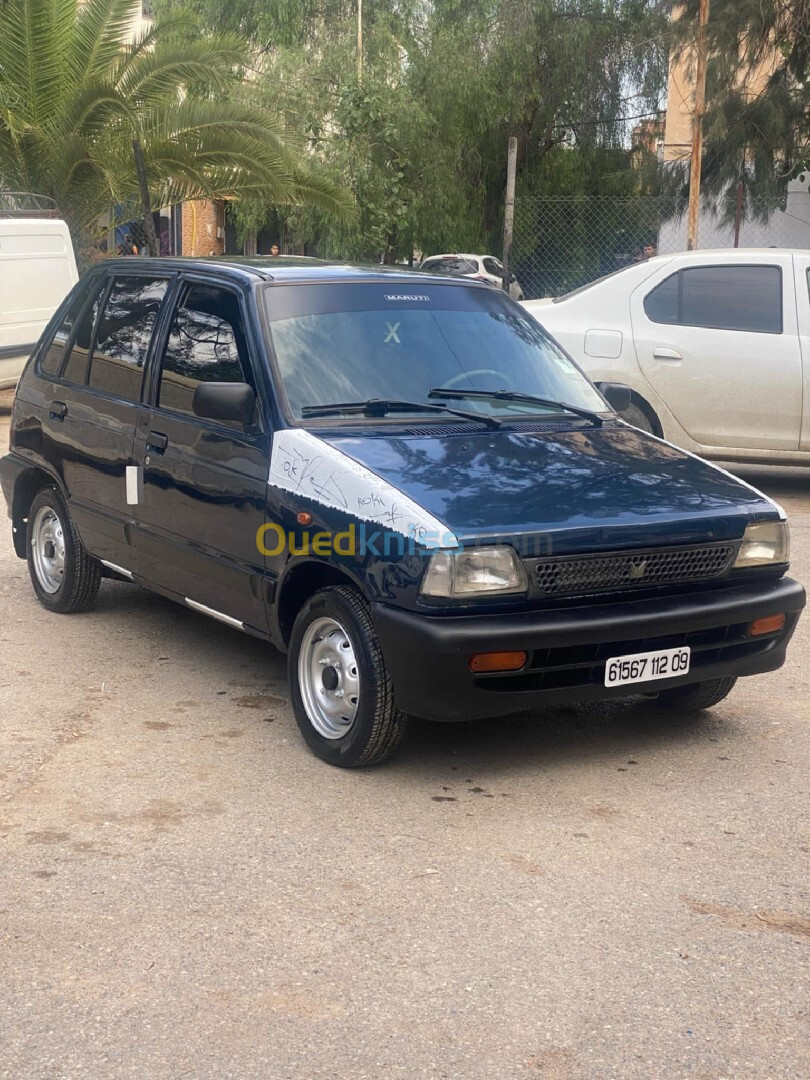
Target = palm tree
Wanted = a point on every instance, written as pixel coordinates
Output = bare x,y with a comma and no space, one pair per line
95,119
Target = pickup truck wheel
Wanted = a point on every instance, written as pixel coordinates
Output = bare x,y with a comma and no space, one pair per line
697,695
341,691
64,576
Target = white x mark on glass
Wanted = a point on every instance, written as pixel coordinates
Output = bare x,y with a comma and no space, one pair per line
392,333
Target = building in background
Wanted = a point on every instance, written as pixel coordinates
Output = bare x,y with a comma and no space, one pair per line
782,228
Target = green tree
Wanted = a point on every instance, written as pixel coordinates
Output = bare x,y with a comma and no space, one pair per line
421,139
757,124
82,104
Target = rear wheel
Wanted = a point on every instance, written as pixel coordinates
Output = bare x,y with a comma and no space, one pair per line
697,695
638,416
64,576
341,691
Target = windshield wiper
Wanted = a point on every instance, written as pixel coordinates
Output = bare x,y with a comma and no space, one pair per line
385,406
516,395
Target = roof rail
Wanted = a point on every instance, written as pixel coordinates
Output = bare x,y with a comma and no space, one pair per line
26,204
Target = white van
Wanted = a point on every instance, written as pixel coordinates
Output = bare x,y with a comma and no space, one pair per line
37,271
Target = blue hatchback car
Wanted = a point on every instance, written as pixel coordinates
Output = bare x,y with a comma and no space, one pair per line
400,480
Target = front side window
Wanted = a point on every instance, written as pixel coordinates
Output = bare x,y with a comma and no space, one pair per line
124,334
206,343
492,266
351,342
720,297
54,354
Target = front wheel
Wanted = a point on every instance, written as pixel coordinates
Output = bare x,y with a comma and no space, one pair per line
64,576
696,696
341,691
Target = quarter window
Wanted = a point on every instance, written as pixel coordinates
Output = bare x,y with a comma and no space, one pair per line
206,344
123,336
75,369
720,297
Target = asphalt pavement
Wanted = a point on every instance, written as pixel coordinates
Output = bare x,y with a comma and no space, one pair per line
185,892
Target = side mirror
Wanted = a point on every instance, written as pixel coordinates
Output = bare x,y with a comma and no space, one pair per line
616,395
225,401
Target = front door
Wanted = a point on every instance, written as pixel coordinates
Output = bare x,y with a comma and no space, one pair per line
719,344
204,481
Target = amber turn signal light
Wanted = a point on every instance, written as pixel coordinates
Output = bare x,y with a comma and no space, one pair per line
770,625
304,518
497,661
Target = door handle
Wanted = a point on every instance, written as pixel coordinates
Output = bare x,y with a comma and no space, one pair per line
58,410
157,442
667,354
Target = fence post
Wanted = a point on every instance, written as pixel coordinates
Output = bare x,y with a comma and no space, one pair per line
509,212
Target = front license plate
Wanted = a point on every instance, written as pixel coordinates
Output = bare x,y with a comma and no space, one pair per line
645,666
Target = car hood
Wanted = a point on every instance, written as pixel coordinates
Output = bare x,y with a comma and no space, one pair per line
584,488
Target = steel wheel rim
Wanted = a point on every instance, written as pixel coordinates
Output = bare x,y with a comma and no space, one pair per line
48,549
329,678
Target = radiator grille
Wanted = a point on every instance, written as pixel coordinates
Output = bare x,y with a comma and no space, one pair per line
570,576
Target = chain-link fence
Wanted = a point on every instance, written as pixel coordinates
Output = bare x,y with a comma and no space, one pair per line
562,242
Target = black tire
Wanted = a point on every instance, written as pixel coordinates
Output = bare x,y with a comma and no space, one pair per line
638,416
81,575
378,726
696,696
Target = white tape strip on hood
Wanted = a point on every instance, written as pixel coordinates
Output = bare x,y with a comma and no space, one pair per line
304,464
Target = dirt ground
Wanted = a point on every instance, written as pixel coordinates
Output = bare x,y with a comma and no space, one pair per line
588,893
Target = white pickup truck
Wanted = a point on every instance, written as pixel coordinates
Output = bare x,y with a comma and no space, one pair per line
37,271
714,345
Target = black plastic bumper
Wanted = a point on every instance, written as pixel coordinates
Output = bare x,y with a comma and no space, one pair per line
428,656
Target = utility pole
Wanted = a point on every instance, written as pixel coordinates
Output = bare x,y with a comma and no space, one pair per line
509,212
360,42
697,127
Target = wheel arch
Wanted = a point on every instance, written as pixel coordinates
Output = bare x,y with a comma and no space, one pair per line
301,580
28,483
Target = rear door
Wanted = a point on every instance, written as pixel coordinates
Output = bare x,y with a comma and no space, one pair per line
204,492
93,406
719,344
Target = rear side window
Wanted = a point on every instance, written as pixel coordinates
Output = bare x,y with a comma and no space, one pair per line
206,343
123,336
720,297
75,369
454,266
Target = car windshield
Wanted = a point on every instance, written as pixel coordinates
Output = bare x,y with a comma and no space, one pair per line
350,342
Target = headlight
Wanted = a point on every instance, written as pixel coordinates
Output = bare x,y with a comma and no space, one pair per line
477,572
764,544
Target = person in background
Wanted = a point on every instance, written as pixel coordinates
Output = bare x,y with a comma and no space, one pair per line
650,251
274,249
128,246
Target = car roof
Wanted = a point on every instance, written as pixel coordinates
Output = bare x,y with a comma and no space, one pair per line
279,269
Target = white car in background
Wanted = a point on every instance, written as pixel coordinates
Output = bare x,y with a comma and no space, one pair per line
480,267
37,271
714,345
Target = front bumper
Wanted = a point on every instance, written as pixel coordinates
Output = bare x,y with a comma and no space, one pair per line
427,656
